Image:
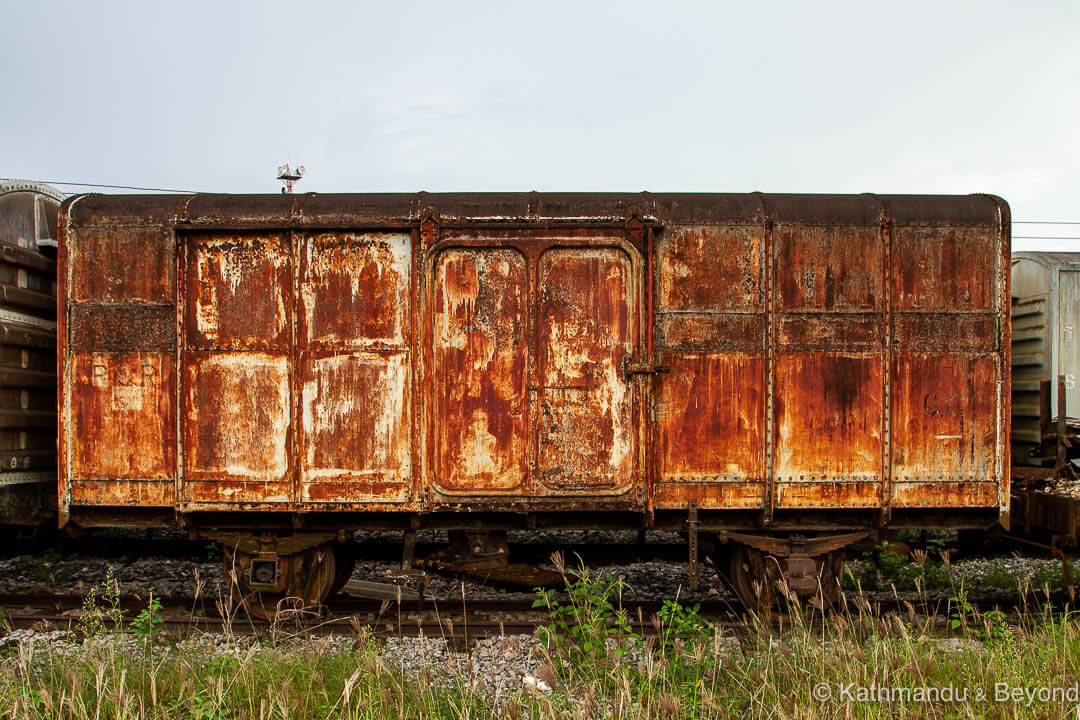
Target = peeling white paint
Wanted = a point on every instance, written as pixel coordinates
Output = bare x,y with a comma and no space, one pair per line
337,410
230,263
127,398
333,255
246,448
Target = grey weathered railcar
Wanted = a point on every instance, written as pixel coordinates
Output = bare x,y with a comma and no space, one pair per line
1046,320
785,374
28,237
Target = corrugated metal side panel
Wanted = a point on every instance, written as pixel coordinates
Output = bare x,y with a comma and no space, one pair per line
1030,367
27,350
1068,336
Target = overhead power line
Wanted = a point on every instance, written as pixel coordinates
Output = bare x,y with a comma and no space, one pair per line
115,187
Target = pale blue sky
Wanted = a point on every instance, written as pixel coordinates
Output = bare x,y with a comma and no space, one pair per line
920,97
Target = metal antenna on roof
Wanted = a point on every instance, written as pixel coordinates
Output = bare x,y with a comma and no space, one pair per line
289,176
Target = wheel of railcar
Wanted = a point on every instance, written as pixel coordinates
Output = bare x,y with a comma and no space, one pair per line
754,576
344,562
830,578
267,587
757,579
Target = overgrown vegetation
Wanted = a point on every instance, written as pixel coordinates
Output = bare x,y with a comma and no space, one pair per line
51,567
890,568
591,624
595,661
148,623
101,611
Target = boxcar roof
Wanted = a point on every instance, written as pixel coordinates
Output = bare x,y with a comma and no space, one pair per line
399,209
1047,259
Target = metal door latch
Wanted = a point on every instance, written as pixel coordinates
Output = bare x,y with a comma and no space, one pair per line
633,368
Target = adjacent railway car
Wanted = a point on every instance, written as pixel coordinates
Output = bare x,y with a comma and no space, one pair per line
1046,319
780,375
28,239
1045,400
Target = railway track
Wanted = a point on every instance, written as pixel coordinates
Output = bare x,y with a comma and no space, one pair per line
432,618
386,627
341,606
451,619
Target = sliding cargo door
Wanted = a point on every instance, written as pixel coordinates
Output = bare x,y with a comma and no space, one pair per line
480,352
584,428
1067,349
296,369
354,368
236,395
530,343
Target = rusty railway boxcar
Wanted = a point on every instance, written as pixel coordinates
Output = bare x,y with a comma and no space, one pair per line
782,374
